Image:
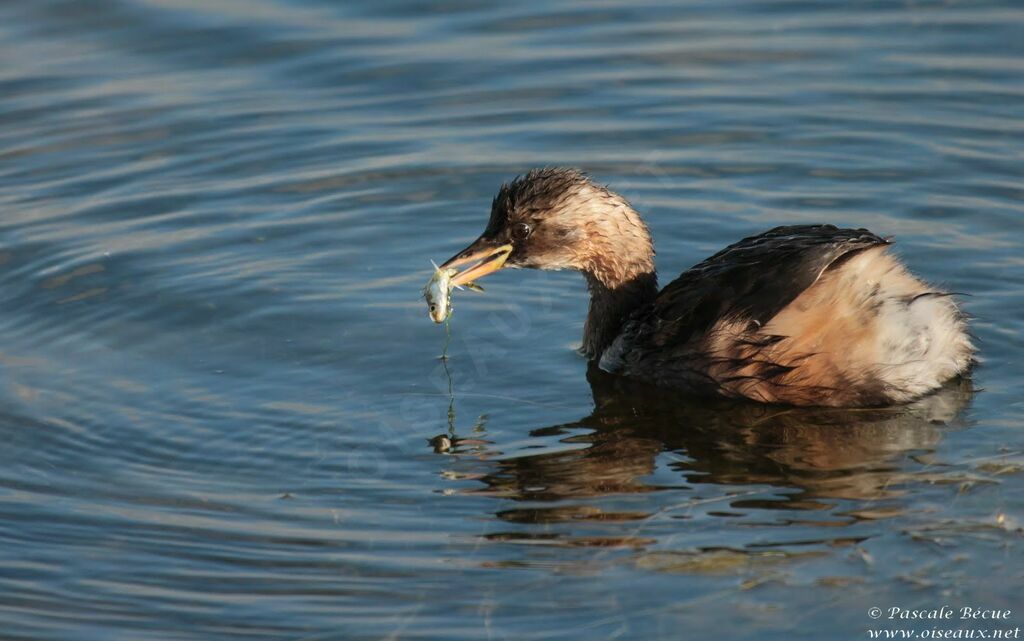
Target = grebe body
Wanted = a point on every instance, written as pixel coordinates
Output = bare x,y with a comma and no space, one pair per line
807,315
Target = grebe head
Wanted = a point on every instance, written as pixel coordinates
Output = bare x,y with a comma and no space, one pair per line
557,218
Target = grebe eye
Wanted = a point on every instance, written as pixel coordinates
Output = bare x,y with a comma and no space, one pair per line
520,231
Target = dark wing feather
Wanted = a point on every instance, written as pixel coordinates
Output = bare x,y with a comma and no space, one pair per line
752,279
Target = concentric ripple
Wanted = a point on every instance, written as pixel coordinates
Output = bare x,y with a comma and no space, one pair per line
223,406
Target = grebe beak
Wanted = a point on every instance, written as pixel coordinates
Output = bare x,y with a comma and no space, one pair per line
485,256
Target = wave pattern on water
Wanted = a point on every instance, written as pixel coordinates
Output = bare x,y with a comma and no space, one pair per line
220,390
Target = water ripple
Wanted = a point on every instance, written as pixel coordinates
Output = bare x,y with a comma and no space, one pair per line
224,410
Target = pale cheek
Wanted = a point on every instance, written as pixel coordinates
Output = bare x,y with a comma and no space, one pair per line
556,261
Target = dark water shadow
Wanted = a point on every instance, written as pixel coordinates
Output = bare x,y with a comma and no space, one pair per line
809,459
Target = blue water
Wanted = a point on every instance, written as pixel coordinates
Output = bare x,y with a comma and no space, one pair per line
219,385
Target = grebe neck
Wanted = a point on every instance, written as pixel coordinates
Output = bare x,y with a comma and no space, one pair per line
619,268
610,307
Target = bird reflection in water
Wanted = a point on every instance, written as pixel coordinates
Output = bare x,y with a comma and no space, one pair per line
722,451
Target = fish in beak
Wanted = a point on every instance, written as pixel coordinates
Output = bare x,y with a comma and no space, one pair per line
483,257
437,293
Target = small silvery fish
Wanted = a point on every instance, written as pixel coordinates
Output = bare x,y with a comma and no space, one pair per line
438,292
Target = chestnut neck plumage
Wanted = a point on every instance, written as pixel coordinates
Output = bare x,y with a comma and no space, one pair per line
620,274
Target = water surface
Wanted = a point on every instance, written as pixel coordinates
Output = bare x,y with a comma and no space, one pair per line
220,391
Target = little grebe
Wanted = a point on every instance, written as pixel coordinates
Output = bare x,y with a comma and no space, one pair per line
801,315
